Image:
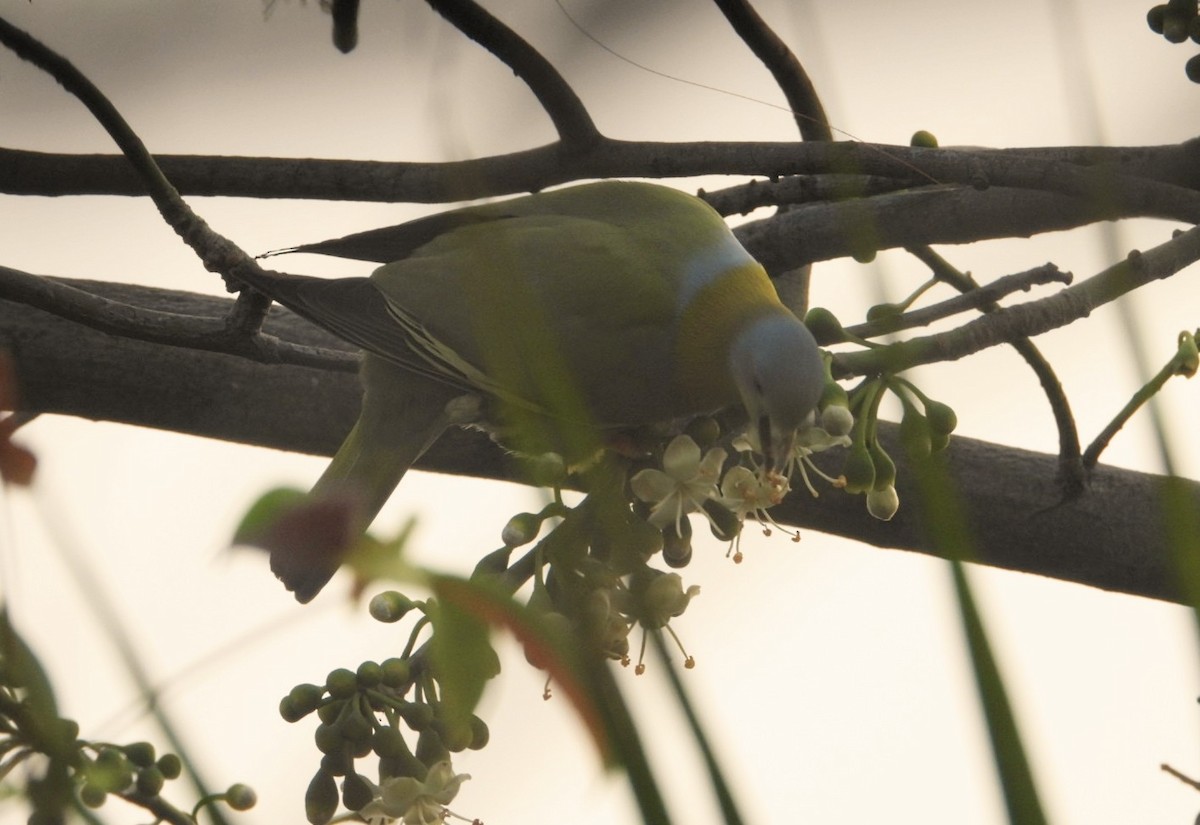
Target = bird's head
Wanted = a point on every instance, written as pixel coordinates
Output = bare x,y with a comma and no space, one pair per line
777,368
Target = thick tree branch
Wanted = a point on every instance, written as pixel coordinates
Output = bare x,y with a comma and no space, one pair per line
1111,537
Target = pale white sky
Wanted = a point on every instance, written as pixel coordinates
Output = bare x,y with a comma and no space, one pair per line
832,675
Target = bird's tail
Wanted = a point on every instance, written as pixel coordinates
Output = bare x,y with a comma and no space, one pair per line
402,415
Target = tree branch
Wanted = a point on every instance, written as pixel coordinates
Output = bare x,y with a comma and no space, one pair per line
1111,537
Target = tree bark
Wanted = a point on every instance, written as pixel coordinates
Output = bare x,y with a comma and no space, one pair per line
1113,536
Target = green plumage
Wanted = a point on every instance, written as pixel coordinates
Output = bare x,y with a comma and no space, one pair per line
568,313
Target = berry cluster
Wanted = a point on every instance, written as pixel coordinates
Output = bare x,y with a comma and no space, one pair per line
1178,21
364,713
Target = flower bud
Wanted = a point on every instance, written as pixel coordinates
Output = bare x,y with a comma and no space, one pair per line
923,139
389,606
942,419
396,673
521,529
677,547
140,754
915,433
170,765
149,781
885,468
479,734
240,797
341,683
824,326
321,798
859,469
837,420
704,431
356,792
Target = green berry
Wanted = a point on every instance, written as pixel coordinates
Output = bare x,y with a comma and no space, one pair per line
677,546
430,748
341,683
338,764
725,523
456,737
1175,27
704,430
321,798
240,797
304,699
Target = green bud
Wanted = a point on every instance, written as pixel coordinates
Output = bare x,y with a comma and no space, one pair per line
356,792
837,420
354,727
1175,27
942,419
111,771
240,797
521,529
304,698
321,798
824,326
140,754
677,547
170,765
388,743
859,469
704,430
430,749
389,606
396,673
833,394
938,442
1155,18
884,312
338,763
725,524
456,737
328,738
1192,68
92,795
923,139
329,712
406,765
149,781
417,716
885,468
479,733
915,433
341,683
370,674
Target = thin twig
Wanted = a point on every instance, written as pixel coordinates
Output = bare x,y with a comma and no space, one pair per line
218,253
1012,323
787,70
575,127
1070,468
973,297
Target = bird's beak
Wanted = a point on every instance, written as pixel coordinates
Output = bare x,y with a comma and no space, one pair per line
777,445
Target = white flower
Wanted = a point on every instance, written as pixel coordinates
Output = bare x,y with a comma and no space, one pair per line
416,803
684,483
